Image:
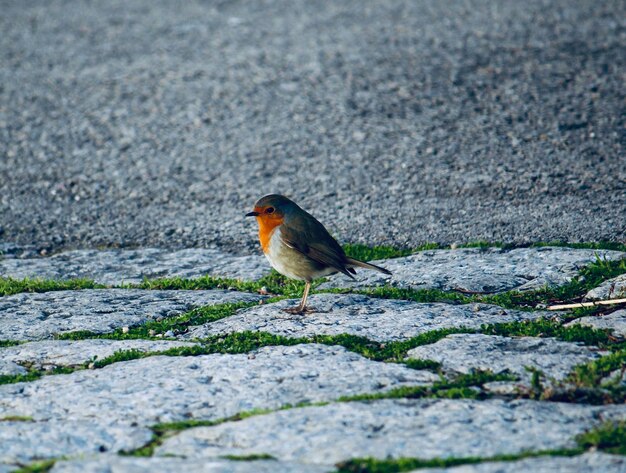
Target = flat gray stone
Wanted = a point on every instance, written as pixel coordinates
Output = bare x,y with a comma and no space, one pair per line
36,316
24,442
49,354
423,428
376,319
133,395
615,321
465,353
115,267
479,270
591,462
614,288
8,367
113,463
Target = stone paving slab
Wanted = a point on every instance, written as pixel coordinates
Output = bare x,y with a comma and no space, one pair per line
36,316
112,463
11,368
614,288
376,319
135,394
591,462
114,267
615,321
49,354
424,428
479,270
23,442
464,353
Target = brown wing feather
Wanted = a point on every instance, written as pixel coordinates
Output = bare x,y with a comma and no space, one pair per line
310,238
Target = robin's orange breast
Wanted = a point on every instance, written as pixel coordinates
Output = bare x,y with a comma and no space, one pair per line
266,228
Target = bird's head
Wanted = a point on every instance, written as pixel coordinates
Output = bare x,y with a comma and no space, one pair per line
272,208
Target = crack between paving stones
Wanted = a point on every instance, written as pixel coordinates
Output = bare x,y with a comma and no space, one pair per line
589,276
608,437
584,376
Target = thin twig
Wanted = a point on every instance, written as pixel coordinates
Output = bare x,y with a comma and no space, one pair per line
587,304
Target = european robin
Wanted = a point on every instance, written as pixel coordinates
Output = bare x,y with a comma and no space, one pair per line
298,246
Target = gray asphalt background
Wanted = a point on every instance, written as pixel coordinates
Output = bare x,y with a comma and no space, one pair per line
160,122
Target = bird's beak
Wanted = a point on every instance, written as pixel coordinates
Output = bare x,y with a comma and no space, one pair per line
252,214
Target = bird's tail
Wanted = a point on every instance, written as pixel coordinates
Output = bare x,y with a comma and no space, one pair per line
362,264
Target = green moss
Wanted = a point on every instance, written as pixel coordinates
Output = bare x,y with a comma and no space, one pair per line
609,437
367,253
245,342
164,430
600,245
146,450
177,324
591,379
536,382
592,373
384,351
551,328
421,295
467,386
273,283
9,286
484,244
8,343
20,378
372,465
588,278
251,457
121,355
33,375
429,365
37,467
16,419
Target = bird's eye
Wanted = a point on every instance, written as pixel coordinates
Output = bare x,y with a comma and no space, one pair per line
269,210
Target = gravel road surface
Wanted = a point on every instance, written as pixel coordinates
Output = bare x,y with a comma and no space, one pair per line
160,123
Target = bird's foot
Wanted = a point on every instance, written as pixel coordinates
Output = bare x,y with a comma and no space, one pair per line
299,310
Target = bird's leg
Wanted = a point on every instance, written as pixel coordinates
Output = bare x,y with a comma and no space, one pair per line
301,308
305,294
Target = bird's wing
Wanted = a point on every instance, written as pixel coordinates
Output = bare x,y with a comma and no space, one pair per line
309,237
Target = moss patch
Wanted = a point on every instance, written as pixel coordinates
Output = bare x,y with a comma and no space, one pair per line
152,328
552,328
16,419
164,430
588,278
9,286
248,458
32,375
609,437
467,386
369,253
592,373
598,245
37,467
372,465
273,283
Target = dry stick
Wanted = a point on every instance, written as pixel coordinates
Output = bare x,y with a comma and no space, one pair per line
586,304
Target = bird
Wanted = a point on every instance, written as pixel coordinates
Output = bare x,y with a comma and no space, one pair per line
298,246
